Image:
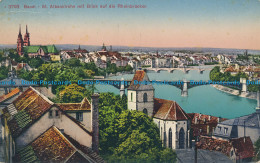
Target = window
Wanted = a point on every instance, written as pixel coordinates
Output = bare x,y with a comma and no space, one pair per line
145,111
219,128
79,116
50,114
225,130
232,153
145,97
170,138
57,113
131,96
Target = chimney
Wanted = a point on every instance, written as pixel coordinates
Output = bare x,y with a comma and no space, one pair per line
95,122
209,118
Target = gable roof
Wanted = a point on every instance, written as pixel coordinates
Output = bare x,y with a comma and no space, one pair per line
52,146
140,75
30,106
46,49
84,105
168,110
243,147
9,95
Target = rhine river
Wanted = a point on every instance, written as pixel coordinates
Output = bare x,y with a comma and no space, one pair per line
201,99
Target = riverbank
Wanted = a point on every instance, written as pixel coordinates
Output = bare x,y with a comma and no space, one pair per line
250,95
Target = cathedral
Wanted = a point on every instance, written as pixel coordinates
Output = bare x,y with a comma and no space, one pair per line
24,46
22,42
171,119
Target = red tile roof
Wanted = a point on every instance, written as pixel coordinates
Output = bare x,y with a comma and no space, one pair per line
139,76
168,110
244,147
30,106
203,124
52,146
33,102
211,144
84,105
9,95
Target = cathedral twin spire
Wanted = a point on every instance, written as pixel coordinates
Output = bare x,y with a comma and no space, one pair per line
22,42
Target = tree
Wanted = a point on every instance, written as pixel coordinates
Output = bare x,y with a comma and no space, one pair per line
73,62
72,94
128,136
3,72
36,62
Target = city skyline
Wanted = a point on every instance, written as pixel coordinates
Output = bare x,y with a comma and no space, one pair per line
215,24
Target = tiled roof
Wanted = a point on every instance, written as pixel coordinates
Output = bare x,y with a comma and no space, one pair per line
251,120
205,119
243,147
51,146
54,146
139,76
84,105
203,124
168,110
30,106
9,95
230,69
88,151
212,144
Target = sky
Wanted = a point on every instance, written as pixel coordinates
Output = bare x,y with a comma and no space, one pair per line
163,23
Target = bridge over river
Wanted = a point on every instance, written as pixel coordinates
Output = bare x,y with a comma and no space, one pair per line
184,69
183,85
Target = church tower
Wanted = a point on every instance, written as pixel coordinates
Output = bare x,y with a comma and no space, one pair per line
141,95
20,43
27,38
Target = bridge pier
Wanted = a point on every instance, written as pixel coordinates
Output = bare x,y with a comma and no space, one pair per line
184,91
122,88
244,86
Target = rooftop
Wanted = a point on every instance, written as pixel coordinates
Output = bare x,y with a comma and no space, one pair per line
168,110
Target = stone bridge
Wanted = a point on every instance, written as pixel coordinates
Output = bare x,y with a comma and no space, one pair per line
183,85
184,69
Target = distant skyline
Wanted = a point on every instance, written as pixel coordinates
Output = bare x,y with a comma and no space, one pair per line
164,23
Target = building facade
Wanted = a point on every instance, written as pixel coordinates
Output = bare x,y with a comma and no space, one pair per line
172,121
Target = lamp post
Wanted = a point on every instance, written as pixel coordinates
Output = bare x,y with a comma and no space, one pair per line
197,134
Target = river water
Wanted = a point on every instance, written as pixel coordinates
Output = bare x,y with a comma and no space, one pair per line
201,99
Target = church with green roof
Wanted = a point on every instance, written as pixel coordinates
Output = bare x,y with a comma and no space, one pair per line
41,51
24,47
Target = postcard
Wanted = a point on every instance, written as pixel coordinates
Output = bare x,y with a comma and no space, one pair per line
129,81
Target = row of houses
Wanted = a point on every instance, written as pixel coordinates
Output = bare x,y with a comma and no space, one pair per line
35,129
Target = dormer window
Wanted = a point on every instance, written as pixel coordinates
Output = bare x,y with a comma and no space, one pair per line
50,114
225,130
57,113
79,116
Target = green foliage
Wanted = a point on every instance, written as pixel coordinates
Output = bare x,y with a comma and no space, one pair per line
216,75
128,136
73,62
27,75
3,72
35,62
111,68
72,94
